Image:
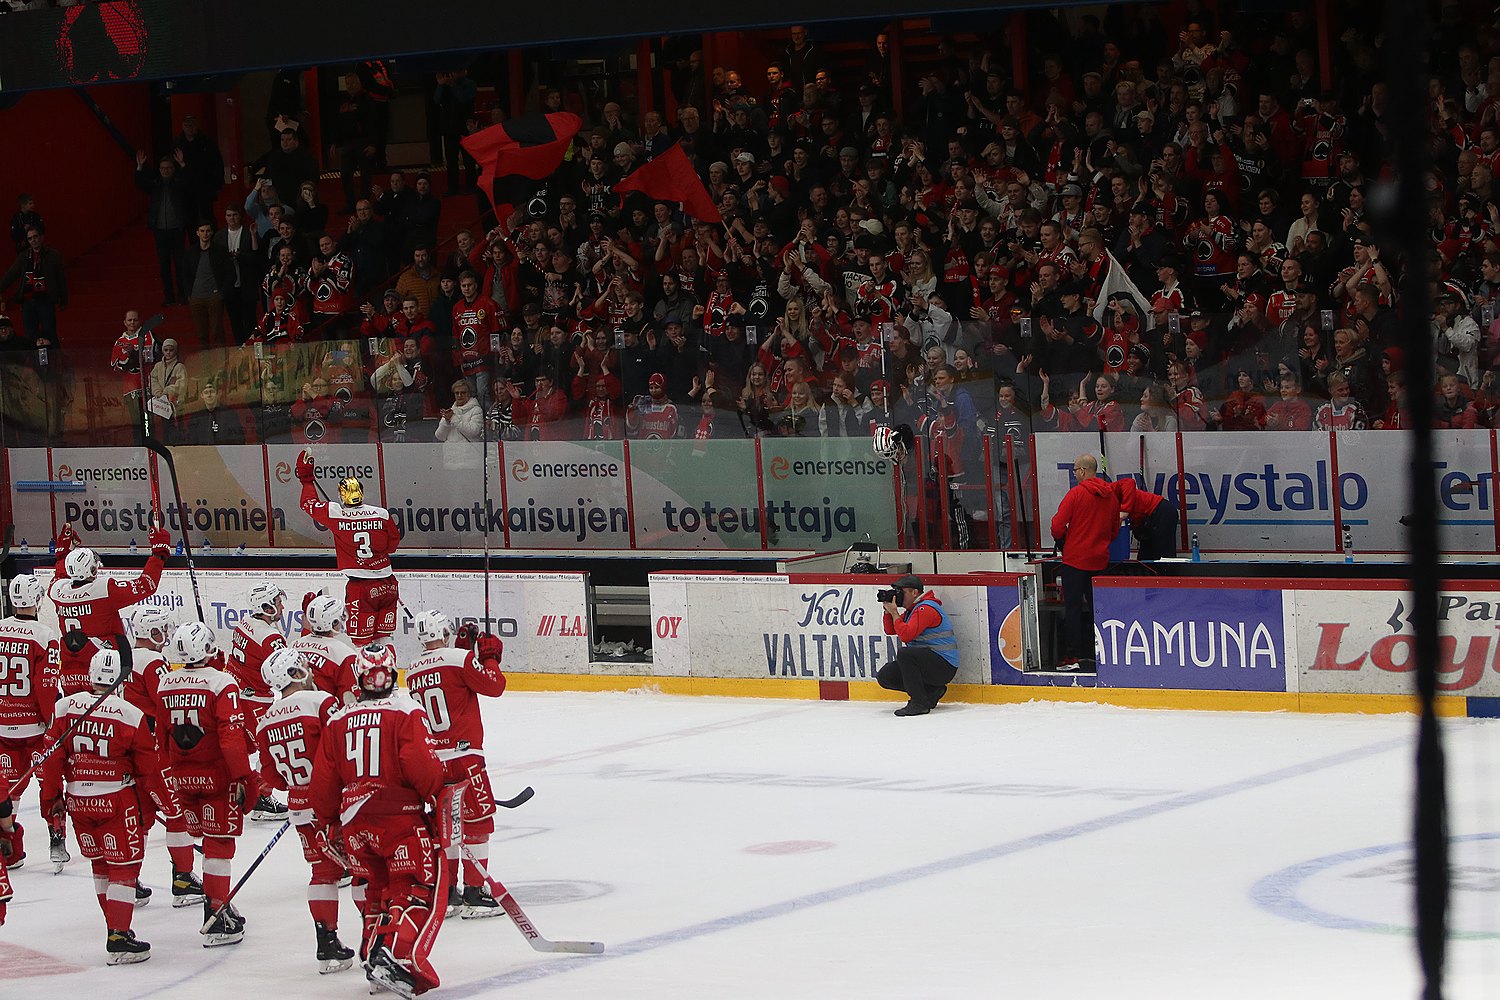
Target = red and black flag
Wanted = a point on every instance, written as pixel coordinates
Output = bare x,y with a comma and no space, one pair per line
671,177
514,157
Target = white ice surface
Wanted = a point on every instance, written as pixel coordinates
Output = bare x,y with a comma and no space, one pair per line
1040,850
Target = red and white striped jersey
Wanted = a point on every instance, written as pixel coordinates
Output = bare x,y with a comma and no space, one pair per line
363,537
448,684
28,676
253,640
288,738
332,658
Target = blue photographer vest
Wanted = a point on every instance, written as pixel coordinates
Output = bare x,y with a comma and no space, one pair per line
940,638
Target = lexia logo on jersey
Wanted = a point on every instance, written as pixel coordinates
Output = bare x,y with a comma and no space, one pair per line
107,474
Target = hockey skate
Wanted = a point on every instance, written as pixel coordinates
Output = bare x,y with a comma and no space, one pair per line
225,929
57,841
124,949
268,810
142,894
12,848
186,889
385,972
478,903
333,954
455,901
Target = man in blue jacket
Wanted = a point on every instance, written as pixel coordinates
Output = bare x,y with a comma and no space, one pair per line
929,650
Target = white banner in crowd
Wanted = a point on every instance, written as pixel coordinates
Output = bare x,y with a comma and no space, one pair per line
825,628
541,617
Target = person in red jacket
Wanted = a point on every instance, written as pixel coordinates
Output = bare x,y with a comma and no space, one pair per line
378,780
1153,520
1086,522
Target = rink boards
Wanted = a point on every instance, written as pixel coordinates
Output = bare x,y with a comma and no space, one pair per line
1242,643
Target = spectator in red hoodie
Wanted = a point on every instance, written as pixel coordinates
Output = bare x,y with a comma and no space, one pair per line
1086,522
1153,520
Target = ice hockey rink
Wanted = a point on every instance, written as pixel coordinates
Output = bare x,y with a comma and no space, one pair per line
788,849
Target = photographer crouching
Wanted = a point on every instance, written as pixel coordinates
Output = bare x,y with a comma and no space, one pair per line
929,650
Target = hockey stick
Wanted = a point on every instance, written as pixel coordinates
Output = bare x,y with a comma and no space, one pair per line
523,923
1103,454
519,799
285,826
156,447
148,355
127,660
484,463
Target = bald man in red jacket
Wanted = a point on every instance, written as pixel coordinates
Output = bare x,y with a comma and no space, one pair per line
1086,522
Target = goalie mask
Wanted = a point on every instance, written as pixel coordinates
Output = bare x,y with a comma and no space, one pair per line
351,492
375,670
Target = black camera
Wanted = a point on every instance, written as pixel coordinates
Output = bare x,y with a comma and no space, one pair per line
891,596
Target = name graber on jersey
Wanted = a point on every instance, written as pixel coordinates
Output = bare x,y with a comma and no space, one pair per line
21,648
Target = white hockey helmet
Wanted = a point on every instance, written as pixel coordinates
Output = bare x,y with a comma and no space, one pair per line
191,644
324,613
106,668
152,623
265,595
285,666
82,565
433,626
375,669
884,441
26,592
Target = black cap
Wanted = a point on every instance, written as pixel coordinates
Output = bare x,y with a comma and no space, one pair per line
909,580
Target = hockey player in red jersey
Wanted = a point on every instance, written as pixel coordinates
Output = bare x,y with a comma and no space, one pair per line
448,682
202,726
91,604
256,636
378,775
364,536
329,652
28,689
152,627
96,776
288,738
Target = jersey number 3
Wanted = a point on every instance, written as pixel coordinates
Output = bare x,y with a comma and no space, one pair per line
362,545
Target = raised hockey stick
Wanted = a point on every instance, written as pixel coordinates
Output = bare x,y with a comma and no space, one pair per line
523,923
148,355
484,463
155,446
126,661
285,826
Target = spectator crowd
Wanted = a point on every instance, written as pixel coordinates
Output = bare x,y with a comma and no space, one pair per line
1164,226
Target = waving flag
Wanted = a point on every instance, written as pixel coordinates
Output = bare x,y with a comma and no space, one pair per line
515,156
671,177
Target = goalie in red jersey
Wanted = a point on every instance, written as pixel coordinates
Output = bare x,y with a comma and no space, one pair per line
364,536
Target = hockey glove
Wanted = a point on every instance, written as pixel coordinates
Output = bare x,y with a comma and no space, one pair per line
161,543
468,634
306,471
489,648
66,539
330,840
58,811
74,641
186,735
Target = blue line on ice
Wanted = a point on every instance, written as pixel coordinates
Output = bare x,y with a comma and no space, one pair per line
942,866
